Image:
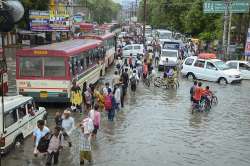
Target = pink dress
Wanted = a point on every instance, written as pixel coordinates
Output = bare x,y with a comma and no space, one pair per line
97,119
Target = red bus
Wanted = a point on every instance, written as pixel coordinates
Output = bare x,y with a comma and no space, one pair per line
3,74
109,41
46,72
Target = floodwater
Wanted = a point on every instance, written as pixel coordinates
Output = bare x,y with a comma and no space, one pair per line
156,127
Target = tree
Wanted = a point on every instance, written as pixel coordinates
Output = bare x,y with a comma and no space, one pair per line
102,11
184,16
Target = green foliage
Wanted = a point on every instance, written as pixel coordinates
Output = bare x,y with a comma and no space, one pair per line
184,16
102,10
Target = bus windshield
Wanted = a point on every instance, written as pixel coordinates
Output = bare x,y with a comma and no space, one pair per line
42,67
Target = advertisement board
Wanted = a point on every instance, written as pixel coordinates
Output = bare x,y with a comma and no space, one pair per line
56,19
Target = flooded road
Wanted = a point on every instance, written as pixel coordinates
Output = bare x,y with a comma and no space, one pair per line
156,127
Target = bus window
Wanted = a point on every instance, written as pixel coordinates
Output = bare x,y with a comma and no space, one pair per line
10,118
87,61
54,67
31,67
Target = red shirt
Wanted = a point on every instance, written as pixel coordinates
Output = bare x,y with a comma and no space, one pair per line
198,93
130,60
145,69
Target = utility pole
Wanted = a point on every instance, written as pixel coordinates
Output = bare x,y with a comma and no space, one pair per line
229,30
144,21
225,32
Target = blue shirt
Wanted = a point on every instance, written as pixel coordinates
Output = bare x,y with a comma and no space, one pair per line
39,134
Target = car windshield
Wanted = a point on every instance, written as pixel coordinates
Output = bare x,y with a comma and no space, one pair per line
221,65
165,36
169,54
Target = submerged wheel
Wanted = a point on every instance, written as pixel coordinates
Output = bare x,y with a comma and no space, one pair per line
214,100
191,76
222,81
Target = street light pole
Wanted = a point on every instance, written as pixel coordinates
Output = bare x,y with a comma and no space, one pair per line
225,32
144,21
229,31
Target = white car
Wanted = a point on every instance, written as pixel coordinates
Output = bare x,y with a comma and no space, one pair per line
242,66
210,70
133,49
20,119
168,57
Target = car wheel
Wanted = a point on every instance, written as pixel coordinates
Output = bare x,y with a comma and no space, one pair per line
223,81
191,76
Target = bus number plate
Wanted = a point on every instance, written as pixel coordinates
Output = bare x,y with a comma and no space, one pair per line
43,94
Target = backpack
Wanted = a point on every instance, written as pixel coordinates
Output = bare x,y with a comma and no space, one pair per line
107,102
43,144
133,80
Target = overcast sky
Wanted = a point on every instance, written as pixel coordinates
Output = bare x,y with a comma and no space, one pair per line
124,1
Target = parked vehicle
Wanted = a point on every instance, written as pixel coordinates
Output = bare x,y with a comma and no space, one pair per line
47,72
168,58
133,49
109,43
18,121
242,66
210,70
3,72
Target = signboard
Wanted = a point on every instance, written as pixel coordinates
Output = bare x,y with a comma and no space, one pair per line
78,18
56,19
39,20
247,48
219,6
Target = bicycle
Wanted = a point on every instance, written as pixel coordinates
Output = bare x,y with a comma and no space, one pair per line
167,82
147,81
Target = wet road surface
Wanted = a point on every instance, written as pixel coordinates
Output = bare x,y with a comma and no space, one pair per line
156,127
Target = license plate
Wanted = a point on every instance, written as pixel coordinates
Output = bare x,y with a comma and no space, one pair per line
43,94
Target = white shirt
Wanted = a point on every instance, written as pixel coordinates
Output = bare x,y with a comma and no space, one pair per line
88,125
118,95
134,75
68,124
92,114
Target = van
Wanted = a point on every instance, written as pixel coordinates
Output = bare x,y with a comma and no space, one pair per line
133,49
18,119
209,70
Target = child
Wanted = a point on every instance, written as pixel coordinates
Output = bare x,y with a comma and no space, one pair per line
85,140
96,121
56,142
